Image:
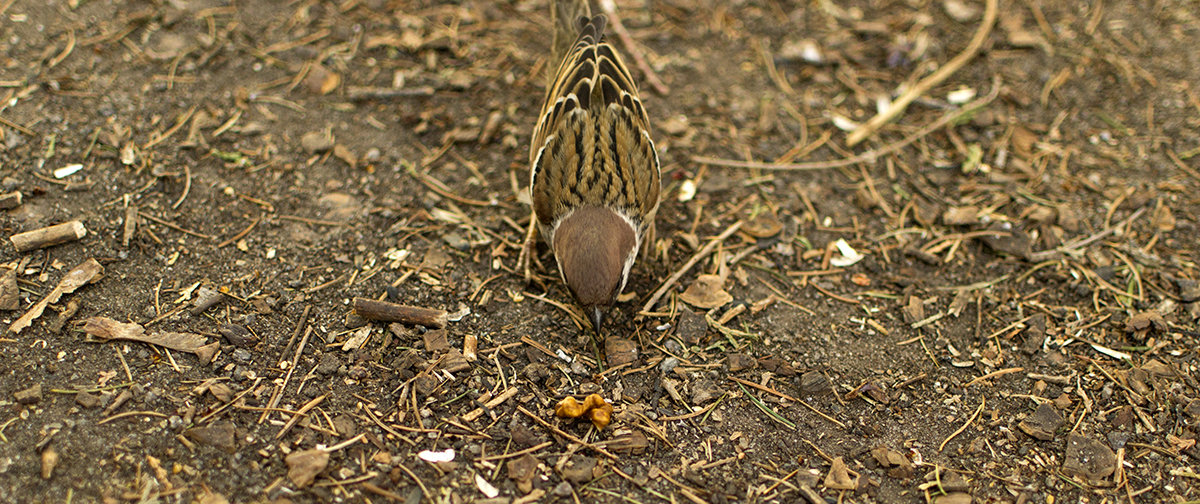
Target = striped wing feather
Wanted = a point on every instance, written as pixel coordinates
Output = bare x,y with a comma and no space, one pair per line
592,143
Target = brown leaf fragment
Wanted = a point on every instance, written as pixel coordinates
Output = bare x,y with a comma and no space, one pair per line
1143,323
777,366
898,465
901,468
1068,218
87,272
870,389
954,482
620,351
87,400
877,392
1034,334
840,476
579,469
238,334
522,470
221,391
1163,219
707,292
1040,214
205,298
207,352
304,466
316,142
763,225
880,454
221,435
523,436
691,326
212,497
106,328
739,361
109,329
633,442
1023,141
1008,240
813,383
704,390
357,339
1042,423
914,310
1179,444
183,342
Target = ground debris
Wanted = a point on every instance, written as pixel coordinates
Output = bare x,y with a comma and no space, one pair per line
10,296
898,465
87,272
109,329
707,292
31,395
1042,424
220,435
841,477
304,466
49,461
1088,458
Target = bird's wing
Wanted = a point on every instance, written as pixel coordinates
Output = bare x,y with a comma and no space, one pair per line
592,141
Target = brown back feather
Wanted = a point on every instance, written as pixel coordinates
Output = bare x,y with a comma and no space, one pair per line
592,142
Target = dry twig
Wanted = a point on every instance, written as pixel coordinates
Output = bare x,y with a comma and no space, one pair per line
897,107
865,157
700,254
610,9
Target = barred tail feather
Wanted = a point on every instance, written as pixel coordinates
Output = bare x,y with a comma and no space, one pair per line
567,16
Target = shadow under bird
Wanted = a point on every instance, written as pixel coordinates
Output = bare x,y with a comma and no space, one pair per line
595,177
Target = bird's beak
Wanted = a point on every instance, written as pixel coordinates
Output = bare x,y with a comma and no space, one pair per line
597,318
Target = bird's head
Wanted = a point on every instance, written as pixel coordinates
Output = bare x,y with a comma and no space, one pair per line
595,249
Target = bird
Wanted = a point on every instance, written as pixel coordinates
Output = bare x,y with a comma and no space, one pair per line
595,176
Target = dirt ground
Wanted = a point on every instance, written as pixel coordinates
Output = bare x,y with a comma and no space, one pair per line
995,301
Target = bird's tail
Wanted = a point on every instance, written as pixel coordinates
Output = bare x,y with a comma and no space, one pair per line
567,16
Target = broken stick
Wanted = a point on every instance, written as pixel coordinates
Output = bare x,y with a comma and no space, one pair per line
371,309
48,236
10,200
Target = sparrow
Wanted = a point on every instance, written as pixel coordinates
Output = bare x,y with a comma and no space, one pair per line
594,171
